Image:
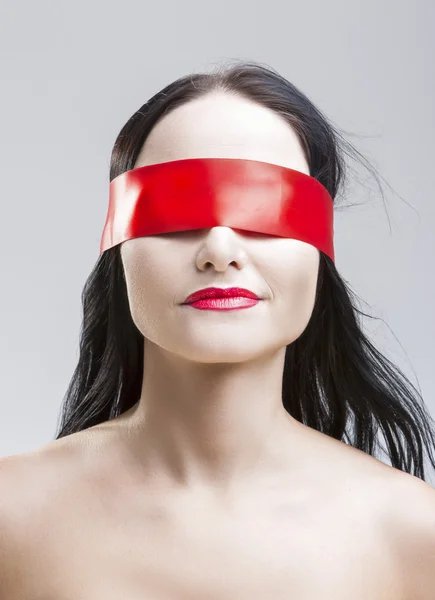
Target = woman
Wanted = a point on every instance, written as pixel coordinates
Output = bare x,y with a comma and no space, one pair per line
202,454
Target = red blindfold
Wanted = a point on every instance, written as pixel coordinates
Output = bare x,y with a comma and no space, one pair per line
200,193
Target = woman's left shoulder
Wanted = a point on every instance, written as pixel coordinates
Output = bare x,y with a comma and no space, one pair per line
412,505
409,518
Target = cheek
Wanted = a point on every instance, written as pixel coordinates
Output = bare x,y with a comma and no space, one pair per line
149,289
294,287
300,290
293,273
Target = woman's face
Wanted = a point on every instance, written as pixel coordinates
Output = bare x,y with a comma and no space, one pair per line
162,270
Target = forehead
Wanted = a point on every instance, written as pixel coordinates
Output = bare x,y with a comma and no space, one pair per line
223,125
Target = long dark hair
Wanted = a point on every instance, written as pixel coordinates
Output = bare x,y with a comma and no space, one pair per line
334,379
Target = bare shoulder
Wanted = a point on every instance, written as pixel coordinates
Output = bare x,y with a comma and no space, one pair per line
410,525
15,511
36,481
27,480
402,509
31,485
18,487
404,506
25,486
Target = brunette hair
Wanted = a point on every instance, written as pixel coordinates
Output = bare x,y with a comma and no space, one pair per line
334,379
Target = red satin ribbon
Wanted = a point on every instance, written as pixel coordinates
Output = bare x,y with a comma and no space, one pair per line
197,193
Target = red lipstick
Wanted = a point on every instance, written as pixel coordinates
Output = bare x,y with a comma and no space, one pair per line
213,298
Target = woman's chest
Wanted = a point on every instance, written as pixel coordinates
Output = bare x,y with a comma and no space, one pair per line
200,554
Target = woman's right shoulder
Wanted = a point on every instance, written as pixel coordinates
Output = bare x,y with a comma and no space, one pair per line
16,489
26,479
17,473
30,482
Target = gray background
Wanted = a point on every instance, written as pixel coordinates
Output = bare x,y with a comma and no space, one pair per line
73,73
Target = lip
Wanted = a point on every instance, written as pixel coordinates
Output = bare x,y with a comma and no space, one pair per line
214,292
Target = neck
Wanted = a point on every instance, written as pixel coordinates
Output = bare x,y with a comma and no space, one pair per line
217,425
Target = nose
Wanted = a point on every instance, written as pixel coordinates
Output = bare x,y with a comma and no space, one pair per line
221,247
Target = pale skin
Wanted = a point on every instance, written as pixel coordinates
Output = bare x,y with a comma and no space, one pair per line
207,488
